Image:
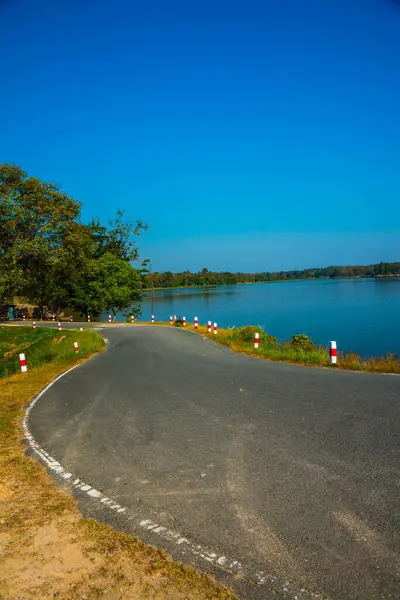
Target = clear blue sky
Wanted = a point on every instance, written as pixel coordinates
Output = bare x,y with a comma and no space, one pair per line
249,135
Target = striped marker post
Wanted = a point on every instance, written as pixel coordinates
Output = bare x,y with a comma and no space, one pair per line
256,340
196,323
53,318
132,319
22,362
215,329
209,327
23,317
76,347
333,353
171,321
109,318
59,326
88,318
34,324
152,318
184,321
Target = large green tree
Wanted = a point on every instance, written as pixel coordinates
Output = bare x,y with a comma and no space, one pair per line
37,222
52,259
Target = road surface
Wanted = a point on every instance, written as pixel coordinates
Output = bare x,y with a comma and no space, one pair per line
292,472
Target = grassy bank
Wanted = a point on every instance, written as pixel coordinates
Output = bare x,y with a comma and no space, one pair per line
48,550
44,346
299,350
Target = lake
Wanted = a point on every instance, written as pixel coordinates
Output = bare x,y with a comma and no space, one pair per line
362,315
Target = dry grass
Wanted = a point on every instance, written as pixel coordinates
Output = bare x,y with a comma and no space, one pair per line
48,551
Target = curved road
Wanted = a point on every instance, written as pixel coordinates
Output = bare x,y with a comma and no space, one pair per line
292,471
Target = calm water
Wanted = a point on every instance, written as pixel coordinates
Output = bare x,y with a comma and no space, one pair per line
362,315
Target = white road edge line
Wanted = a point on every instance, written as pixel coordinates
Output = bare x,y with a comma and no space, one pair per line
188,546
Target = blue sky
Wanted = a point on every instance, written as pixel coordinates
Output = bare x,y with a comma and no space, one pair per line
249,135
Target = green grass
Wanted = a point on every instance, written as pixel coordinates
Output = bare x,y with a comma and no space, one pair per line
43,346
303,352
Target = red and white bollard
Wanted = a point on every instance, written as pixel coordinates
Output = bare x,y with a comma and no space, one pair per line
88,318
184,321
333,353
59,326
152,318
215,329
109,318
76,347
256,340
22,362
34,324
53,318
171,321
132,319
196,323
209,327
23,317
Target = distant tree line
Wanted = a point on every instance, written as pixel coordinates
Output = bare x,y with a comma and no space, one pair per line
49,258
206,278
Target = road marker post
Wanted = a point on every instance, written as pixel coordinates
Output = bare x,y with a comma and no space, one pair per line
152,318
209,327
34,324
88,318
22,362
76,347
333,353
132,319
196,323
53,317
184,321
256,340
215,329
171,321
59,326
109,318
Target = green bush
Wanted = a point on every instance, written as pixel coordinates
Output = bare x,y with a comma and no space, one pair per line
268,341
301,341
246,334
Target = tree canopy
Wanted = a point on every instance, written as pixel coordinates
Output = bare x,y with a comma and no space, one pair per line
206,278
51,258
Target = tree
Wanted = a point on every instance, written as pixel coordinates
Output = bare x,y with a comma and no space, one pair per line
109,283
49,257
35,220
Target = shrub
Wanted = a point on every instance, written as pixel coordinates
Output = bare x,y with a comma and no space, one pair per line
246,334
301,341
269,341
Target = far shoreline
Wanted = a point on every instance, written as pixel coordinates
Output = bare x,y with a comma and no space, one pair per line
211,287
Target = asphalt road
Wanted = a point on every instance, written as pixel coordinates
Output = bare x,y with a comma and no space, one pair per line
292,471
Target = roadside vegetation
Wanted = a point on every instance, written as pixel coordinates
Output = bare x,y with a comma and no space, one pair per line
47,549
300,349
43,347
